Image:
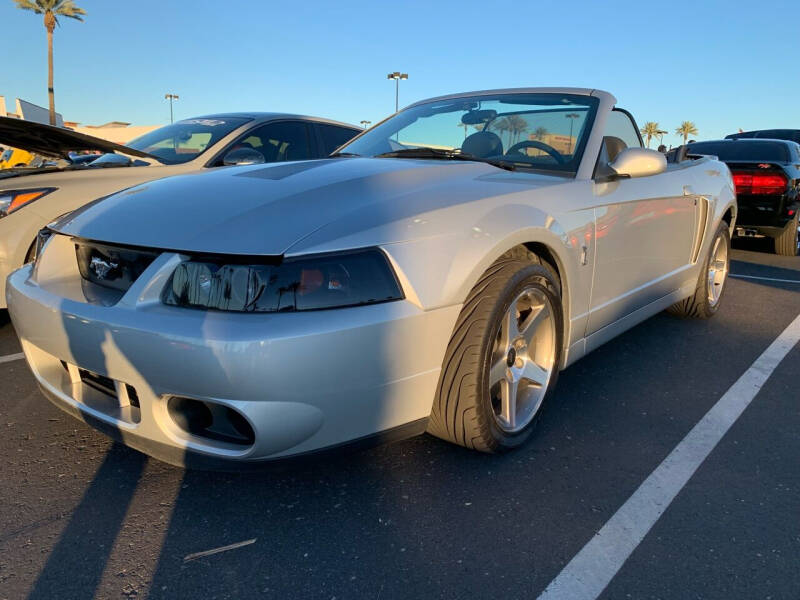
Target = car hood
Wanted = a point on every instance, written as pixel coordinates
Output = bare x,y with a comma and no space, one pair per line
262,210
57,142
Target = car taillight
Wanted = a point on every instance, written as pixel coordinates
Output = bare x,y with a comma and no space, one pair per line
759,183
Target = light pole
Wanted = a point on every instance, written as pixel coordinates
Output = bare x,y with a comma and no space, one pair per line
571,117
365,123
397,76
660,133
170,97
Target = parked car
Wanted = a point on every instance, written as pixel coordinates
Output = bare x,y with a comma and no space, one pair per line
14,157
435,274
792,135
30,198
767,178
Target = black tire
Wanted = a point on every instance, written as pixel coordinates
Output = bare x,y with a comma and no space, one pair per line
462,410
786,244
698,305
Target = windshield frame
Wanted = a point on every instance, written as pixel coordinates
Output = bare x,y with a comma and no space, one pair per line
584,99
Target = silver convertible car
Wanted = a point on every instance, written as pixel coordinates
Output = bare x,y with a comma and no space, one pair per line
435,274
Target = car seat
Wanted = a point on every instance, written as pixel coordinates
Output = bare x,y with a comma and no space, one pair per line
483,144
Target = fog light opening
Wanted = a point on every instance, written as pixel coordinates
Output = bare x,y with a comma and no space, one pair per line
211,420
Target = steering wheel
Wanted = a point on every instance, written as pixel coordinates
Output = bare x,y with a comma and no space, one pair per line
519,146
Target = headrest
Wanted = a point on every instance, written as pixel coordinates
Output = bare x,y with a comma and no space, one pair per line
614,146
483,144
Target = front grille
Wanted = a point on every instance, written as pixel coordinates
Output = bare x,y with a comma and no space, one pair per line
109,266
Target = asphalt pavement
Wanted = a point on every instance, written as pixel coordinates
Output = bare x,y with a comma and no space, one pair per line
81,517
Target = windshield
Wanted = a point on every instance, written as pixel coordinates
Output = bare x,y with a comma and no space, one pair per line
186,140
544,132
744,150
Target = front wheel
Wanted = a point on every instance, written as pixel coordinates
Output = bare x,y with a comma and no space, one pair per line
788,242
502,360
706,300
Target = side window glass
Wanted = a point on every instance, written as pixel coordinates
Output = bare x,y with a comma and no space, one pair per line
333,137
619,125
278,142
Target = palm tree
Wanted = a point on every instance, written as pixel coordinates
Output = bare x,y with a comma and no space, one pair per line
649,131
686,129
501,125
51,9
540,132
516,125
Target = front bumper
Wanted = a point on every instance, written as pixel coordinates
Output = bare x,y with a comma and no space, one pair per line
304,381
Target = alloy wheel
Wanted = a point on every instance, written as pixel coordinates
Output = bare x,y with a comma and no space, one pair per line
717,270
522,360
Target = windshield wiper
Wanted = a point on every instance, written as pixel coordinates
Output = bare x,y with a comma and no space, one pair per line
508,165
343,154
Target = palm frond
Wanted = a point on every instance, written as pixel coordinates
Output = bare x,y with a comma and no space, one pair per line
67,8
63,8
29,5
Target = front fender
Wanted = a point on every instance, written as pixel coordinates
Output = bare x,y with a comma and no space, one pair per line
441,270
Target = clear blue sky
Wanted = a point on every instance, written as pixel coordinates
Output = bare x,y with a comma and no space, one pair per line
723,65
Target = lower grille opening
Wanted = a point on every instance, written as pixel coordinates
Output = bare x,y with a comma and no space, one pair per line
211,420
132,395
104,384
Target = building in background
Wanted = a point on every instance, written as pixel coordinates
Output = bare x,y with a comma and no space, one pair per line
119,132
29,112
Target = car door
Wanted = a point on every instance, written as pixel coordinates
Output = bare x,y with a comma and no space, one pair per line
645,229
333,136
278,141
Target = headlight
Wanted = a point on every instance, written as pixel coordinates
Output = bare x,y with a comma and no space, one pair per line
13,199
305,283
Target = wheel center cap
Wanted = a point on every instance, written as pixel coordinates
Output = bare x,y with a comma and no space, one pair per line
512,357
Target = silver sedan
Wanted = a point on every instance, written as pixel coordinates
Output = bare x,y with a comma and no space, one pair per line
435,274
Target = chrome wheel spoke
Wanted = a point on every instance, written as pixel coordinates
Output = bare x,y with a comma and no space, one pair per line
508,402
539,315
509,328
534,373
498,371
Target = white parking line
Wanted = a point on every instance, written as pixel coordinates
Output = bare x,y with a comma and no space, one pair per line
765,278
590,571
11,357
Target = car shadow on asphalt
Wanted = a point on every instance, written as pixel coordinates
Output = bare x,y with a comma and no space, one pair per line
79,558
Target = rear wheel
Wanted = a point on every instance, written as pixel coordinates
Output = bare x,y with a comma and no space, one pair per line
788,242
707,297
502,361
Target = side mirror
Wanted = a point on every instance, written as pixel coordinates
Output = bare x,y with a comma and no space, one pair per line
639,162
243,156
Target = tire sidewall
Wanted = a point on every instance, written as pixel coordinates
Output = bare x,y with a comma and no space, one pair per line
791,235
531,275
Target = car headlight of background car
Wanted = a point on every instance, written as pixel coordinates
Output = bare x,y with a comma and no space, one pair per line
304,283
12,200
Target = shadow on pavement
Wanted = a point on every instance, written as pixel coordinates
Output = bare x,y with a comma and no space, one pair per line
78,559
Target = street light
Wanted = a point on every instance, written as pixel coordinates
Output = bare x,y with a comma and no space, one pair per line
170,97
397,76
365,123
571,117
